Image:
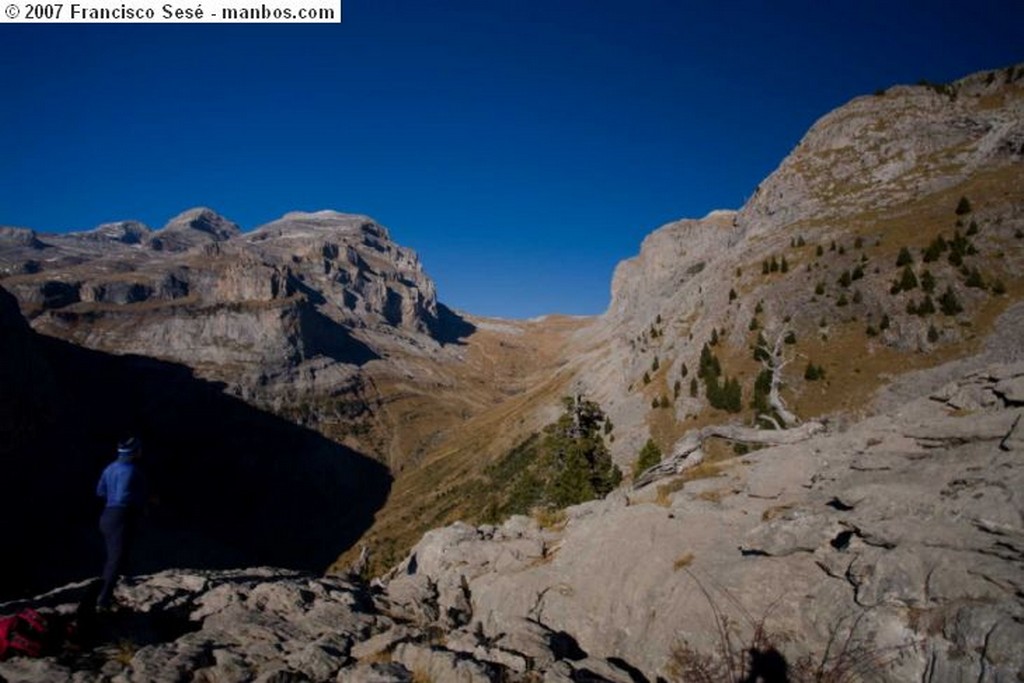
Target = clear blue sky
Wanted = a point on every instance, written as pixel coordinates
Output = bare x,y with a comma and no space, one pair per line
522,148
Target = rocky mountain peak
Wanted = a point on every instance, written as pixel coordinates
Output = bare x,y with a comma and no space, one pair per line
193,228
884,149
18,237
126,232
205,220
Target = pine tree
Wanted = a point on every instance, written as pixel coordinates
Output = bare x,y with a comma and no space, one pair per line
949,304
578,463
650,455
904,258
908,280
927,281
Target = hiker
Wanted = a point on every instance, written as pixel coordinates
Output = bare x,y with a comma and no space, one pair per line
123,485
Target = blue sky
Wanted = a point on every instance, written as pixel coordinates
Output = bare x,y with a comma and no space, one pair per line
522,148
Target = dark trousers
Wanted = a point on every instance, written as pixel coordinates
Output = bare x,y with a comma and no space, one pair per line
117,524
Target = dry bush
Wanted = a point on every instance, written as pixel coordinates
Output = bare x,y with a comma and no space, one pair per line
748,650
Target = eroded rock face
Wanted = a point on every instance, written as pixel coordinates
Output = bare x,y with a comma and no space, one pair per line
879,173
251,310
267,624
906,530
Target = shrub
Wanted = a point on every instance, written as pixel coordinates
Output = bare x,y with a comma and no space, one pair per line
974,279
841,301
857,273
790,338
693,387
963,207
972,229
858,243
857,296
714,336
845,279
884,324
732,295
773,265
998,287
677,388
871,331
753,324
650,455
819,288
764,267
933,334
800,241
655,403
812,373
820,251
759,308
784,266
647,378
655,364
927,306
683,370
904,258
665,403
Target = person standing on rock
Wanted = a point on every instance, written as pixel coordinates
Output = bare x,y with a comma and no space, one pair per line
123,486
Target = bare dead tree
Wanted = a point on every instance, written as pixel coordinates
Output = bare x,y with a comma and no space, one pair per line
687,452
773,359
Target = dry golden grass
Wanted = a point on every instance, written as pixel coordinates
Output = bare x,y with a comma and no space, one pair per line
715,495
775,512
683,561
421,676
548,518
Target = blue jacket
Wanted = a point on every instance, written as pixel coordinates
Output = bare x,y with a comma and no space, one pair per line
122,483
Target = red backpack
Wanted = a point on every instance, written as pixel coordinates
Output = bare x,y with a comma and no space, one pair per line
26,634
